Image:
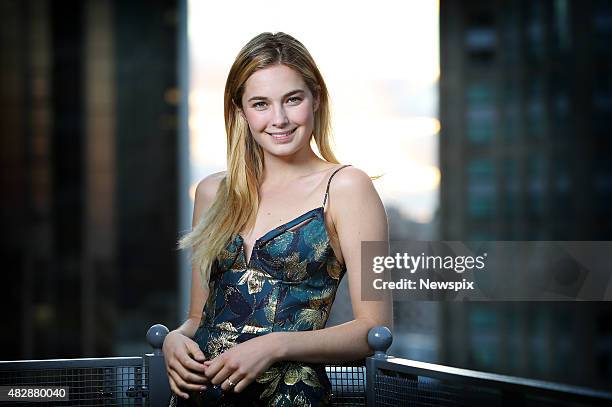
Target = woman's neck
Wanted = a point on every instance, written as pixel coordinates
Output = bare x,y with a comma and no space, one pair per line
280,170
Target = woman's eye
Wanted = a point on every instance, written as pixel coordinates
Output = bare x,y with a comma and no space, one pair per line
294,100
259,105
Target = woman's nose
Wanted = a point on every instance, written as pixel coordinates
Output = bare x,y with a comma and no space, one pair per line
280,117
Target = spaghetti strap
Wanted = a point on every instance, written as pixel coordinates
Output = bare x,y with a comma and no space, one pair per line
329,182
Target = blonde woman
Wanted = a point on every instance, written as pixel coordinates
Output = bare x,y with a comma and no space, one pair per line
272,238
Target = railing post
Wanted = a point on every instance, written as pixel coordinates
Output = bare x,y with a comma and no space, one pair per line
159,387
379,339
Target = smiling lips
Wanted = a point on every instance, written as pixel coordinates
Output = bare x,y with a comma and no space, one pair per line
282,136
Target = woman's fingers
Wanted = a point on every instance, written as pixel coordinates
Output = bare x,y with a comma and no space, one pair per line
184,385
194,358
194,350
220,376
242,384
184,364
213,368
191,366
235,382
175,389
189,376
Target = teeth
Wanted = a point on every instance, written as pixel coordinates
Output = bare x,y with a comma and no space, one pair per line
281,134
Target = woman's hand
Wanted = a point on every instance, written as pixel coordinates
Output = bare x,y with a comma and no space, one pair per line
244,362
184,364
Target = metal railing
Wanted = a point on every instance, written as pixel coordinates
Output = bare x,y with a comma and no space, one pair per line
400,382
120,381
381,381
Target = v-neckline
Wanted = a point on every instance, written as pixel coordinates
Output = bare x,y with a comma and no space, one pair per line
278,229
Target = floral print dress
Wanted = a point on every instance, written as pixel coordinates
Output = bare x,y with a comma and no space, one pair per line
289,284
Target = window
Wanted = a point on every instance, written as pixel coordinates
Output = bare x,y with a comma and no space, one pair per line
481,189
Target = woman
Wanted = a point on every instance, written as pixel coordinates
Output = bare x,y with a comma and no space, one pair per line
266,290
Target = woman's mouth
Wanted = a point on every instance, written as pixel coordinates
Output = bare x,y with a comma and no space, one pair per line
282,137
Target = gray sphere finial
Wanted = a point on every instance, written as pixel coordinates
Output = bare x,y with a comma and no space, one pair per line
380,339
155,336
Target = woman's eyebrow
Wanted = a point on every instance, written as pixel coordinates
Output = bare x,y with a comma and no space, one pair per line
293,92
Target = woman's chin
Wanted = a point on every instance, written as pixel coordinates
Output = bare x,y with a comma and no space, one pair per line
283,150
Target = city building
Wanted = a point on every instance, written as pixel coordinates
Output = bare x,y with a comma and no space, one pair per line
525,155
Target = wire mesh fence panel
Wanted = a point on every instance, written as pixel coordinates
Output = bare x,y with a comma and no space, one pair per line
348,383
397,389
404,390
112,385
140,381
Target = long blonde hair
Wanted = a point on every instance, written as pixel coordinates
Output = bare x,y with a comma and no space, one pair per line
235,205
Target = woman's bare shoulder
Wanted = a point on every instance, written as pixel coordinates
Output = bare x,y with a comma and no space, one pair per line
351,181
207,188
353,194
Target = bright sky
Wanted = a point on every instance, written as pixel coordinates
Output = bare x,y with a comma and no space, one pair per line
380,61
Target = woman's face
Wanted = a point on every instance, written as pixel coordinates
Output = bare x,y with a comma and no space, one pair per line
279,108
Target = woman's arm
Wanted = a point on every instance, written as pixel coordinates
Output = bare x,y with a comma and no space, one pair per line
182,356
358,214
204,196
